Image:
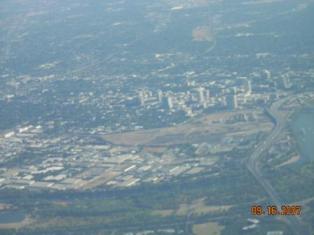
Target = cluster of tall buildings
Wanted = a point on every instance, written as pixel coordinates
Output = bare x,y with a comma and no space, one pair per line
198,96
232,99
204,97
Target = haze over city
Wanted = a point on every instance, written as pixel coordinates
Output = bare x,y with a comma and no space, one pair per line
190,117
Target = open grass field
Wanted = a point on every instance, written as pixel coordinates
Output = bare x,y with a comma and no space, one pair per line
207,229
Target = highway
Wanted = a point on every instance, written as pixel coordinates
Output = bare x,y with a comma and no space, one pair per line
294,223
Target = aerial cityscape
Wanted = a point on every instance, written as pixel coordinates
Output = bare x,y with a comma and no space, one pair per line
157,117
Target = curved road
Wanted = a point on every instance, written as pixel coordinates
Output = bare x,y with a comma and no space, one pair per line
293,222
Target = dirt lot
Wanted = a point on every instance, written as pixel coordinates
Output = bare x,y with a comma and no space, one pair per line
205,129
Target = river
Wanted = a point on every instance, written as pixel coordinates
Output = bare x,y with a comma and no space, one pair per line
303,129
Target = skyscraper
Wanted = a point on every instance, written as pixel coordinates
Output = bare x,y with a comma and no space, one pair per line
232,99
235,101
170,102
141,96
248,88
268,74
160,96
201,95
235,98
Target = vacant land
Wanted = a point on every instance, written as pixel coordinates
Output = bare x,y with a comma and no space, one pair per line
210,128
197,207
208,228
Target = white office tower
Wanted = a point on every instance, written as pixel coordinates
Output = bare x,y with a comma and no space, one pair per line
170,102
201,95
235,101
235,98
191,83
235,90
268,74
286,82
207,96
141,96
248,88
160,96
